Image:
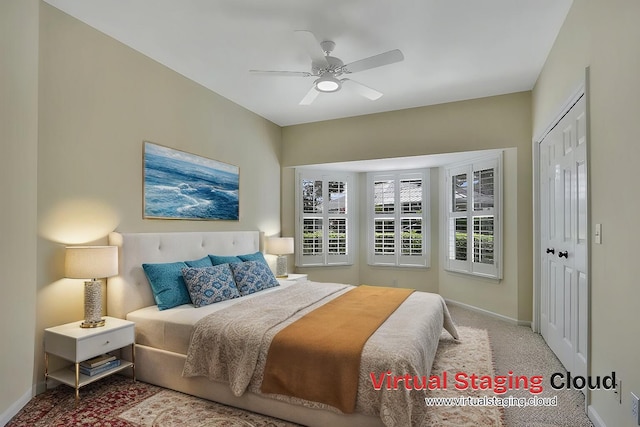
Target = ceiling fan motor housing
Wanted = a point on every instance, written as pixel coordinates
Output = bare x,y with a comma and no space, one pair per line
334,67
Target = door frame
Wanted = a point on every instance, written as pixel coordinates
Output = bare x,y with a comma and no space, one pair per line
582,90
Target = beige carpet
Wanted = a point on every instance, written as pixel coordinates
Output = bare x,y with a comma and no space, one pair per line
519,349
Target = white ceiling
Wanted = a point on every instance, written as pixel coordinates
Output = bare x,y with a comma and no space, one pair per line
453,49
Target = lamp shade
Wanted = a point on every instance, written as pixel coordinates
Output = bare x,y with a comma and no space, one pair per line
91,262
280,245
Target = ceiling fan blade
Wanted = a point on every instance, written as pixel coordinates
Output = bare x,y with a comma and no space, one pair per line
282,73
363,90
312,46
310,96
375,61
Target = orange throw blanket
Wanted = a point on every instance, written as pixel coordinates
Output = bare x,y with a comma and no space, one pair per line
317,357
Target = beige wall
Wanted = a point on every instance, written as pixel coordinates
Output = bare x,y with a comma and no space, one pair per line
604,35
18,168
564,71
487,123
98,101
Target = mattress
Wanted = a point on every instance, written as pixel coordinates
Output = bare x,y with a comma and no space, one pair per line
170,330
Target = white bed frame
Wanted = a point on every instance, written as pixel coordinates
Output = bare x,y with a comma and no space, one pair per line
130,291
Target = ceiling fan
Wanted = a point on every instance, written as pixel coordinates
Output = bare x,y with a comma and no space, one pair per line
328,68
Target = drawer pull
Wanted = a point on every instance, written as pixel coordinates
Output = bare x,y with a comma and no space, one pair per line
106,343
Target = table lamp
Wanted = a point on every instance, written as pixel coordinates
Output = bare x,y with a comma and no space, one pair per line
280,246
91,262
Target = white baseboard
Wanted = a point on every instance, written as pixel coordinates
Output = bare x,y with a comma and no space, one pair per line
594,417
489,313
6,416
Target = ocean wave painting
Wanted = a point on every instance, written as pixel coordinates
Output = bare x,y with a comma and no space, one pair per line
180,185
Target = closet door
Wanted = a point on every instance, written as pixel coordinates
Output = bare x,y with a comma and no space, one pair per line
564,230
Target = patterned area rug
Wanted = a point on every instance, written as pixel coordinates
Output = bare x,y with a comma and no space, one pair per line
171,409
472,355
119,402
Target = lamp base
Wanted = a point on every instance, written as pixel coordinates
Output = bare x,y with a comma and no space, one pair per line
92,304
92,324
281,267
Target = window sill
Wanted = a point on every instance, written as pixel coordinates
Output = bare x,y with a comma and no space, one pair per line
485,277
418,267
337,264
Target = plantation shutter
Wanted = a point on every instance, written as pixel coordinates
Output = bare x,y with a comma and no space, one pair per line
323,231
397,212
473,218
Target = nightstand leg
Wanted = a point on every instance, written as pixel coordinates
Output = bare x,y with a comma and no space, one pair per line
77,381
46,369
133,360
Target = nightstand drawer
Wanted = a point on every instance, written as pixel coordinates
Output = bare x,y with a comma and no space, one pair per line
102,343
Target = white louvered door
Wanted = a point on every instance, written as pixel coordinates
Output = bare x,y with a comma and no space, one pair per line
564,240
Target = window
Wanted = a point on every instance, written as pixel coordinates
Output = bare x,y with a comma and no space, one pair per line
473,225
324,225
397,206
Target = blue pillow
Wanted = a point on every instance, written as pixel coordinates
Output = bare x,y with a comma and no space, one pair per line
167,284
220,259
258,256
200,263
209,285
253,276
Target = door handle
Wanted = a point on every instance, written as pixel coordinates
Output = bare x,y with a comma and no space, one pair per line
551,251
563,254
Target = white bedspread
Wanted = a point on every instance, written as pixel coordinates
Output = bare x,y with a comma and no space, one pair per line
231,345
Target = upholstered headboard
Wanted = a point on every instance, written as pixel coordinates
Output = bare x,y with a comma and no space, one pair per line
130,290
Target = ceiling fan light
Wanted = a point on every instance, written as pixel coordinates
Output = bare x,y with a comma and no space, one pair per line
327,83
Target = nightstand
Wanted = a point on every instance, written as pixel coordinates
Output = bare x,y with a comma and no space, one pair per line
294,278
76,344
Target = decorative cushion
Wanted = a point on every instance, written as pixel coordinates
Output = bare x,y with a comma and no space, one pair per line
257,256
209,285
221,259
253,276
166,282
199,263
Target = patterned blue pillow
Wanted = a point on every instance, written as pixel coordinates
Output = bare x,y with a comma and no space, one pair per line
199,263
167,285
253,276
221,259
257,256
209,285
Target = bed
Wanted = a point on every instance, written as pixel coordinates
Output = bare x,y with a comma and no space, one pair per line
163,337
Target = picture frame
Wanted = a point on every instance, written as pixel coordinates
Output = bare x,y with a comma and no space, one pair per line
182,185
